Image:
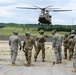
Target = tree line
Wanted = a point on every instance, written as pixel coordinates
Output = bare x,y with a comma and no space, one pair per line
66,28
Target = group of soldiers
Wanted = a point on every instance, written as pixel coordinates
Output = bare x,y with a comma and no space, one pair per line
69,43
27,46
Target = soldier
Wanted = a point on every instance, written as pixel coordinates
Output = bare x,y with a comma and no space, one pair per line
13,43
27,47
57,43
74,56
71,43
40,45
72,33
70,46
65,42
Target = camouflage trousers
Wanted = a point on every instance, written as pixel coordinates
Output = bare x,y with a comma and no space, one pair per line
65,52
70,53
57,51
13,56
28,54
74,58
40,47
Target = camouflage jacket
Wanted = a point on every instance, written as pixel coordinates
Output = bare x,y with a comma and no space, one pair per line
14,41
65,42
28,43
41,39
71,43
57,40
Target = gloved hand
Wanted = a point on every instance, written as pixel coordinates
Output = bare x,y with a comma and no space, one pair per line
20,48
23,50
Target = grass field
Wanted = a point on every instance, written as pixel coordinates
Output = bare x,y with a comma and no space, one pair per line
9,30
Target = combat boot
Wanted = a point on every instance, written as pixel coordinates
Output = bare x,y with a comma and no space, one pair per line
13,64
60,61
43,60
69,59
27,64
35,60
57,62
65,58
74,70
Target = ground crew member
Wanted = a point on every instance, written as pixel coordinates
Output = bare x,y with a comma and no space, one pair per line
57,43
65,42
70,46
14,41
27,47
74,56
40,45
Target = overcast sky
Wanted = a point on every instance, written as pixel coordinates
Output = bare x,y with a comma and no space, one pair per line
10,14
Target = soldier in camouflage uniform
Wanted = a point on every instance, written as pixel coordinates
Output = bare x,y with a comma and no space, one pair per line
40,45
57,43
72,33
65,42
74,56
70,46
27,47
14,41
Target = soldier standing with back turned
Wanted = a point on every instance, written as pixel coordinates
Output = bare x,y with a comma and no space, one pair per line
14,41
65,42
27,47
74,56
40,45
71,44
57,43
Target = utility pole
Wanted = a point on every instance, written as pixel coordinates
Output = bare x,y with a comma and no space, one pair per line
72,21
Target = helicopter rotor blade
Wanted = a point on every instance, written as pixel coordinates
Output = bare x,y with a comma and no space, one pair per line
60,10
48,6
37,7
26,8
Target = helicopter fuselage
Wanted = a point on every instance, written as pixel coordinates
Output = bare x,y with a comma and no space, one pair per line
44,19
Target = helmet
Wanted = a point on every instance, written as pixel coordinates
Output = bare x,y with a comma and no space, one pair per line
27,33
66,35
41,31
72,31
71,36
15,32
54,31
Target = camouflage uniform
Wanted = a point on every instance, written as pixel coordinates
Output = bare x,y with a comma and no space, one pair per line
40,45
74,55
13,42
28,46
57,43
65,42
70,46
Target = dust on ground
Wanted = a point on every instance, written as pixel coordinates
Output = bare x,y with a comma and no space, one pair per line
37,68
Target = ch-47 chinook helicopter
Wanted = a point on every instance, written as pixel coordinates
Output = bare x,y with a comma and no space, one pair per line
45,17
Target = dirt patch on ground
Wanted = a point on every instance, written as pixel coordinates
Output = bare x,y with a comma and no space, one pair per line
46,68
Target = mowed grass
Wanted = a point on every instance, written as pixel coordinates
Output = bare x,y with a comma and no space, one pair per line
9,30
